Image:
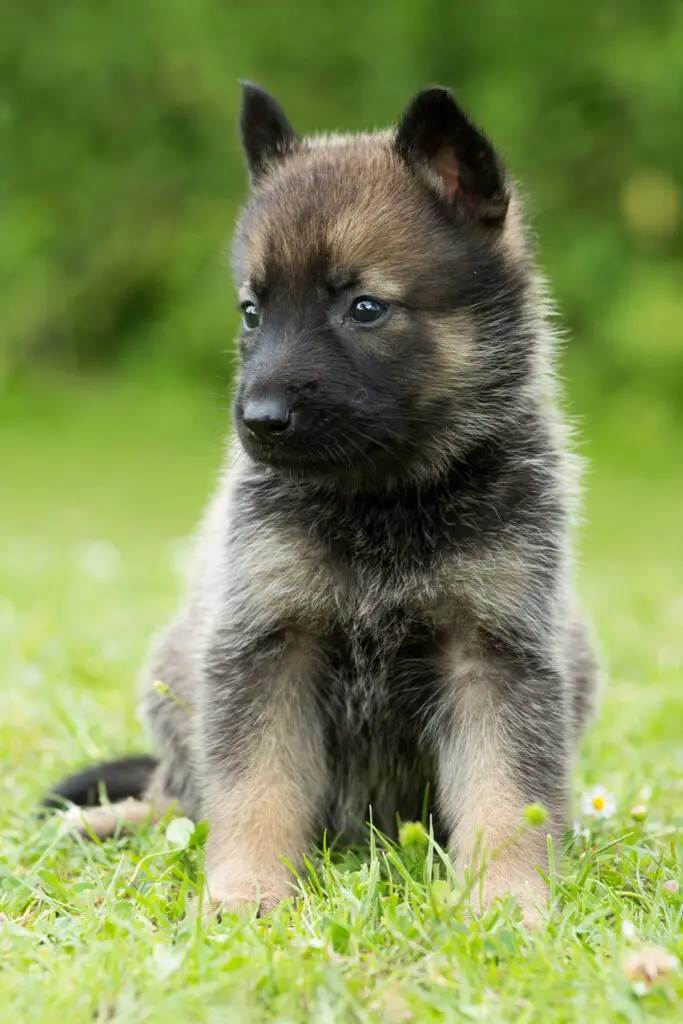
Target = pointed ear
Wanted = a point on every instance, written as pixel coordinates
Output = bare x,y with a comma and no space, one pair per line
436,136
267,135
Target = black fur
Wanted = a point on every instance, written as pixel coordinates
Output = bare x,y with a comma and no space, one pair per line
119,779
267,134
433,125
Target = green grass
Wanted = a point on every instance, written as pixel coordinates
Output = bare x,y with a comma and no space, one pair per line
98,487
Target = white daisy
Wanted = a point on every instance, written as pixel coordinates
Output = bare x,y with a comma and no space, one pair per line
598,803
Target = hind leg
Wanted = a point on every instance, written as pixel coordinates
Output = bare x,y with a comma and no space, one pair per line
169,785
106,820
167,709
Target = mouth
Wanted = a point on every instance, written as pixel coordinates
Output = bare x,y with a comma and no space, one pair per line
282,452
341,463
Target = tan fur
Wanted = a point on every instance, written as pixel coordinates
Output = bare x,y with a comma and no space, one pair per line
482,802
263,819
103,822
254,832
491,584
513,238
287,575
365,225
492,840
454,334
381,286
288,572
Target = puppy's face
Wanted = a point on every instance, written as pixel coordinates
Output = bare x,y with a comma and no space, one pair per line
367,267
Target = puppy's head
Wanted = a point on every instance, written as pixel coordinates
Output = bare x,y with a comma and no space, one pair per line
383,286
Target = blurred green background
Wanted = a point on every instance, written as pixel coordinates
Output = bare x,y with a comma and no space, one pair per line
120,177
121,172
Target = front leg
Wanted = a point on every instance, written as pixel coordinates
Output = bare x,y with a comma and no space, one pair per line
262,765
503,744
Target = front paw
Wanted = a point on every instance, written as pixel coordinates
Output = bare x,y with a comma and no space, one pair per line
529,891
244,898
525,885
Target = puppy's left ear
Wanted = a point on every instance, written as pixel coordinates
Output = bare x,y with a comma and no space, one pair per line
436,136
267,135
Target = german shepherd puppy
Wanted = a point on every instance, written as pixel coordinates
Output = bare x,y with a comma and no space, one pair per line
382,596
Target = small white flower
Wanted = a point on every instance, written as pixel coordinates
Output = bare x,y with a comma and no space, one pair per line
628,930
180,832
598,803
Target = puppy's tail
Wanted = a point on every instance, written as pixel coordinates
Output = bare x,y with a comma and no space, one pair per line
123,779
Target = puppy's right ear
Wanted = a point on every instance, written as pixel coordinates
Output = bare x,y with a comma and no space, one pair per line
267,135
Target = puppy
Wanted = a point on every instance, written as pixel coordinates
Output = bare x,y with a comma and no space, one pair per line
382,597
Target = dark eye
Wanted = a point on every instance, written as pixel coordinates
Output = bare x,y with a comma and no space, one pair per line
251,315
367,310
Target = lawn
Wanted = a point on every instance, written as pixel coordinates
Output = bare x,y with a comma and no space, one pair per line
99,488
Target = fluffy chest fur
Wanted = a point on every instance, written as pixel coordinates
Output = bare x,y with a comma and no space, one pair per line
478,543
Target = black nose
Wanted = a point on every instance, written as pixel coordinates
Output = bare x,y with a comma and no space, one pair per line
267,418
